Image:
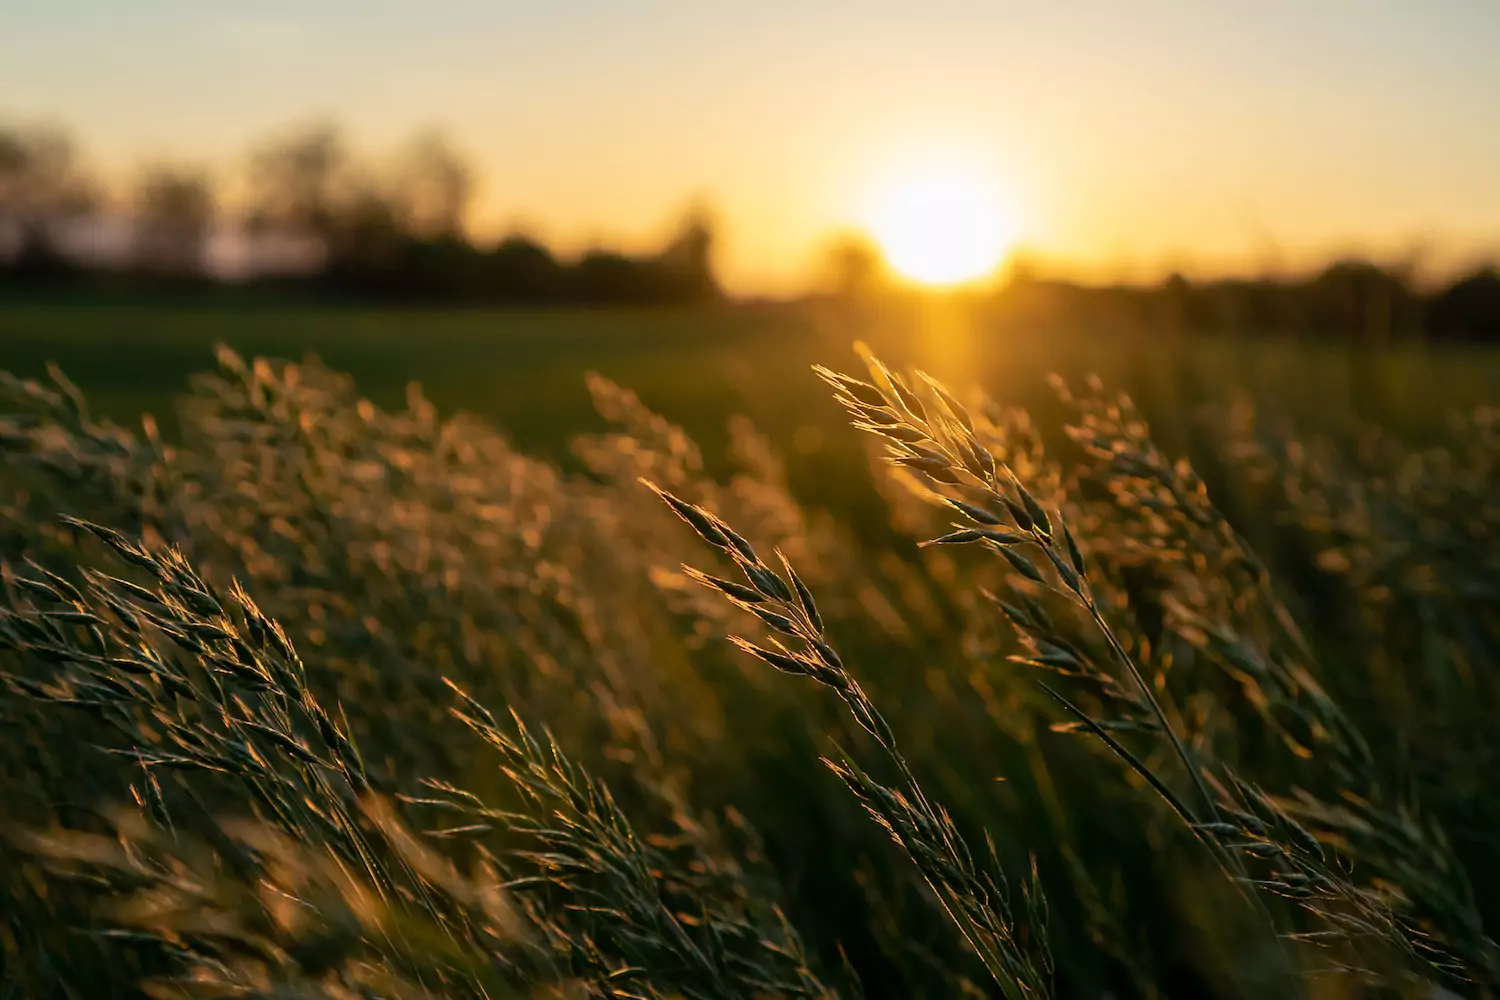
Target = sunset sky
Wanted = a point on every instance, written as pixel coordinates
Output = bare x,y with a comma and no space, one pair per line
1118,138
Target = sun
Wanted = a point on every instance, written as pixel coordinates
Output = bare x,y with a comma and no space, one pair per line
941,226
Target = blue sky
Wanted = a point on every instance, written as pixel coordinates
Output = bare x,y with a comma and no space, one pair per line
1128,136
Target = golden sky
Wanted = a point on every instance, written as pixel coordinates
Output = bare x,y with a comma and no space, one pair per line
1119,138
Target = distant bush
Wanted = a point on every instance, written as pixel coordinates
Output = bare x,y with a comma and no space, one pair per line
1469,309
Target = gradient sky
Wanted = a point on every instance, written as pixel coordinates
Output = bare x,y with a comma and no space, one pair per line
1130,136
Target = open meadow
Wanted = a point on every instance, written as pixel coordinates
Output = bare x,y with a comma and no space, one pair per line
319,687
787,501
523,369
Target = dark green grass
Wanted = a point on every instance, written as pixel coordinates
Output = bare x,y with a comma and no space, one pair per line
396,551
522,368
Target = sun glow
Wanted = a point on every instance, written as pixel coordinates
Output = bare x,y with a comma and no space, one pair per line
942,226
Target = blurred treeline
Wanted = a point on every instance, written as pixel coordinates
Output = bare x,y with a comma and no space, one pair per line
304,213
1352,299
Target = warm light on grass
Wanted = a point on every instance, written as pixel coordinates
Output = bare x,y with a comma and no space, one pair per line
944,226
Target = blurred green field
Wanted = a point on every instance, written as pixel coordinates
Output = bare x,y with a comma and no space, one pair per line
524,369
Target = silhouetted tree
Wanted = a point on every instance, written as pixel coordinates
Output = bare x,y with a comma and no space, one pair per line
684,269
394,232
853,267
173,211
522,270
604,276
433,185
1469,309
364,235
296,180
1360,300
43,189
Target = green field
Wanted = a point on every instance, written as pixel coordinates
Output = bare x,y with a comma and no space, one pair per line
1266,769
523,369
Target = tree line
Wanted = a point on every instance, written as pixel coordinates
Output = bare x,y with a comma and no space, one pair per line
1351,299
310,215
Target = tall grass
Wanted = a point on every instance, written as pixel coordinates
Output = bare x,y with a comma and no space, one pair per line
323,699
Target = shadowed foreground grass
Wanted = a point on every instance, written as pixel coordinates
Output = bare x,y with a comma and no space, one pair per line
327,694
